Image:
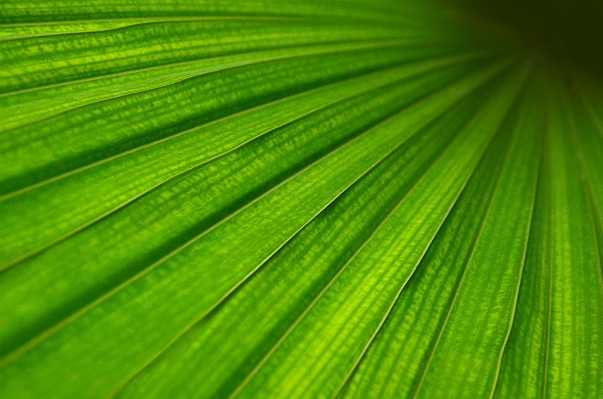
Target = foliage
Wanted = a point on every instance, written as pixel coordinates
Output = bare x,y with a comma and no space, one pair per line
262,199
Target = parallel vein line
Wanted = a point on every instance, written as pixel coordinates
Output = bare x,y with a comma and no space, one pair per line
264,261
372,45
171,178
11,356
417,264
180,133
516,297
460,283
390,42
182,173
321,293
586,184
216,17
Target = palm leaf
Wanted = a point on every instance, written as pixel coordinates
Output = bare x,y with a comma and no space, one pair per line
353,199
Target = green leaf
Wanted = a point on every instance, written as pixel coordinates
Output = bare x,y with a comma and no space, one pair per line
108,184
304,199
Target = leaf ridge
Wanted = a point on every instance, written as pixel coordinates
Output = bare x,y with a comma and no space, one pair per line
519,281
180,174
441,328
